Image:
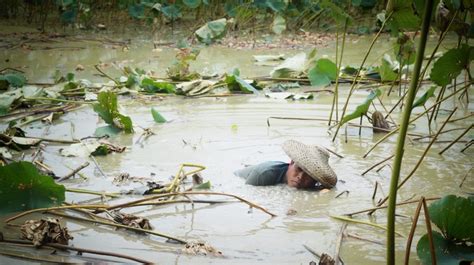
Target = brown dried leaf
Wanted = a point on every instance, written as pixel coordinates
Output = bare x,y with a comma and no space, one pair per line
45,231
132,220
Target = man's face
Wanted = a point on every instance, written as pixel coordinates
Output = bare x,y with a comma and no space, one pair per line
296,177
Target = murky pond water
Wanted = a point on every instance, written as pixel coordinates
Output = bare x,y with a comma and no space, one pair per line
224,134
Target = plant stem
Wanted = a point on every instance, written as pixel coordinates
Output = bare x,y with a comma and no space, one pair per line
383,207
59,100
354,82
336,88
455,140
412,231
414,119
96,206
347,219
118,225
113,195
251,204
402,135
376,164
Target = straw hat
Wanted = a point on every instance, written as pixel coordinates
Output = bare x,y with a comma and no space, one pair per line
313,160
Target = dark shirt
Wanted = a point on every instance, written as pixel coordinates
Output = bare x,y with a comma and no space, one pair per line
264,174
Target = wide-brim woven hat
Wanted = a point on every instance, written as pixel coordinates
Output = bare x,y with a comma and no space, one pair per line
313,160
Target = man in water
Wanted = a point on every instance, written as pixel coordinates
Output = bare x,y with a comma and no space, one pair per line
308,169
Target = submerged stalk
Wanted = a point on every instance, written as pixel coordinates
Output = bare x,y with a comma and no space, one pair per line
354,82
403,131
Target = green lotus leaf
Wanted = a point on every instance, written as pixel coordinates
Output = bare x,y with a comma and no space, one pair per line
421,101
157,116
447,253
454,216
386,70
23,188
450,64
192,3
13,80
323,72
362,108
107,109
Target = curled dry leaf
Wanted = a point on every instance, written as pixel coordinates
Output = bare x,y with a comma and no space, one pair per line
45,231
200,248
132,220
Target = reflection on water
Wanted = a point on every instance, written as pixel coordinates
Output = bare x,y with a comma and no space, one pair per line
225,134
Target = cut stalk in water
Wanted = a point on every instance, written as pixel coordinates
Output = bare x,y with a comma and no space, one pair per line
414,119
402,135
354,82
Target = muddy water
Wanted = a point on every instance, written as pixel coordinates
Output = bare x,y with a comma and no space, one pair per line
224,134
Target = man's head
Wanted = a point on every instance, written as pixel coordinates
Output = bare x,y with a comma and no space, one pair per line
297,178
313,161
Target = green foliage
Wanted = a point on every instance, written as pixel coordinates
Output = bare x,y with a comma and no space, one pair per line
12,80
450,65
157,116
179,70
366,4
323,72
212,31
203,186
363,108
107,109
172,12
192,3
403,17
235,83
22,188
386,70
137,11
404,50
447,253
422,100
454,216
151,86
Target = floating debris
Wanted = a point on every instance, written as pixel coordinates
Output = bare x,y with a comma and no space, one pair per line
200,248
45,231
131,220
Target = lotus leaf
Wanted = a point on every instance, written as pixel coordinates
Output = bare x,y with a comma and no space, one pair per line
7,99
279,24
13,80
291,67
152,86
447,253
422,100
236,83
211,31
454,216
22,188
172,12
386,70
362,108
192,3
157,116
137,11
323,73
107,109
450,64
106,131
203,186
